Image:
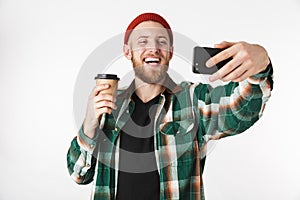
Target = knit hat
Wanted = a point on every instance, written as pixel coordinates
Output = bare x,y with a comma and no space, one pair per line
148,17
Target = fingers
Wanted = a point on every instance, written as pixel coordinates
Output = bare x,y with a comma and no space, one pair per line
226,70
247,60
243,76
102,110
223,55
104,106
236,74
104,97
100,103
99,88
104,103
224,45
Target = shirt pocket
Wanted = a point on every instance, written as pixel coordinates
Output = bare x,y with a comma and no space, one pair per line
181,135
179,128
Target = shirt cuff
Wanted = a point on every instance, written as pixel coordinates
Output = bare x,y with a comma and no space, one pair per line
85,142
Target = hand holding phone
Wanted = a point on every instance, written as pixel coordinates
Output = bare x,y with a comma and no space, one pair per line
200,57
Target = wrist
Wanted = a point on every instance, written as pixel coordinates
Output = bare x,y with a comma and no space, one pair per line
264,70
88,130
268,71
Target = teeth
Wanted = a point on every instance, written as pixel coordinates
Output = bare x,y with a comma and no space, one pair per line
151,59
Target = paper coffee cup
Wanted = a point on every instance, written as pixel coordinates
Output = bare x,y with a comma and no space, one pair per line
111,79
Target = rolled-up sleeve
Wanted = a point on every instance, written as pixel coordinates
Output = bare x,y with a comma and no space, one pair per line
80,159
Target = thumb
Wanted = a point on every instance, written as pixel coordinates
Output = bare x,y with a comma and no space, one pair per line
224,45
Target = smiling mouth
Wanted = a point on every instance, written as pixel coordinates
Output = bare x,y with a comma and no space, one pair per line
152,61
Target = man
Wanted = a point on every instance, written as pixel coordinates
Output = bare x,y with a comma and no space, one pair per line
152,136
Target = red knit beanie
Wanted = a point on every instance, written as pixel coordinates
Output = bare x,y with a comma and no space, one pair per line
148,17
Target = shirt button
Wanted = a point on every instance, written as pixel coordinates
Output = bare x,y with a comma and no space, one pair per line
116,129
127,111
92,146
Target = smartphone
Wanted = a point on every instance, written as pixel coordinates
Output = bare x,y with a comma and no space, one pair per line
201,55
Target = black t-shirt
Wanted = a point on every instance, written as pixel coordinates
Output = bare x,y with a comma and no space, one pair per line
138,176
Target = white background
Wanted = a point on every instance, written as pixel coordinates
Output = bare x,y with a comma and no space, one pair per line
43,45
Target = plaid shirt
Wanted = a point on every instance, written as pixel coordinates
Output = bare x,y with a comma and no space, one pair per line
187,117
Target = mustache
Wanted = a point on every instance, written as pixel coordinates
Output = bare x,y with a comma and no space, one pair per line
156,55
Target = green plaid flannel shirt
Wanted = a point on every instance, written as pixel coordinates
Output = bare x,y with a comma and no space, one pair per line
187,117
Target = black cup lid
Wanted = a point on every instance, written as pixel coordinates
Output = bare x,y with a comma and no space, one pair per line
107,76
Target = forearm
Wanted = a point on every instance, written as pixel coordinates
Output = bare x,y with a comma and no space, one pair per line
245,105
80,159
233,108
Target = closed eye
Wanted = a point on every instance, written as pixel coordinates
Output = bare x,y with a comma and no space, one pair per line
142,41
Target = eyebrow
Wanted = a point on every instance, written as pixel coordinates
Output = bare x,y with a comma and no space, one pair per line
163,37
142,36
145,36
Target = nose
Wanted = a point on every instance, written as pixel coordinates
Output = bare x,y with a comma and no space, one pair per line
153,46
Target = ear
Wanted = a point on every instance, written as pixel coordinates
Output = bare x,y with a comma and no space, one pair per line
127,51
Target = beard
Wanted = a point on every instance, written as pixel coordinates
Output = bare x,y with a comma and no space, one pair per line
151,76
